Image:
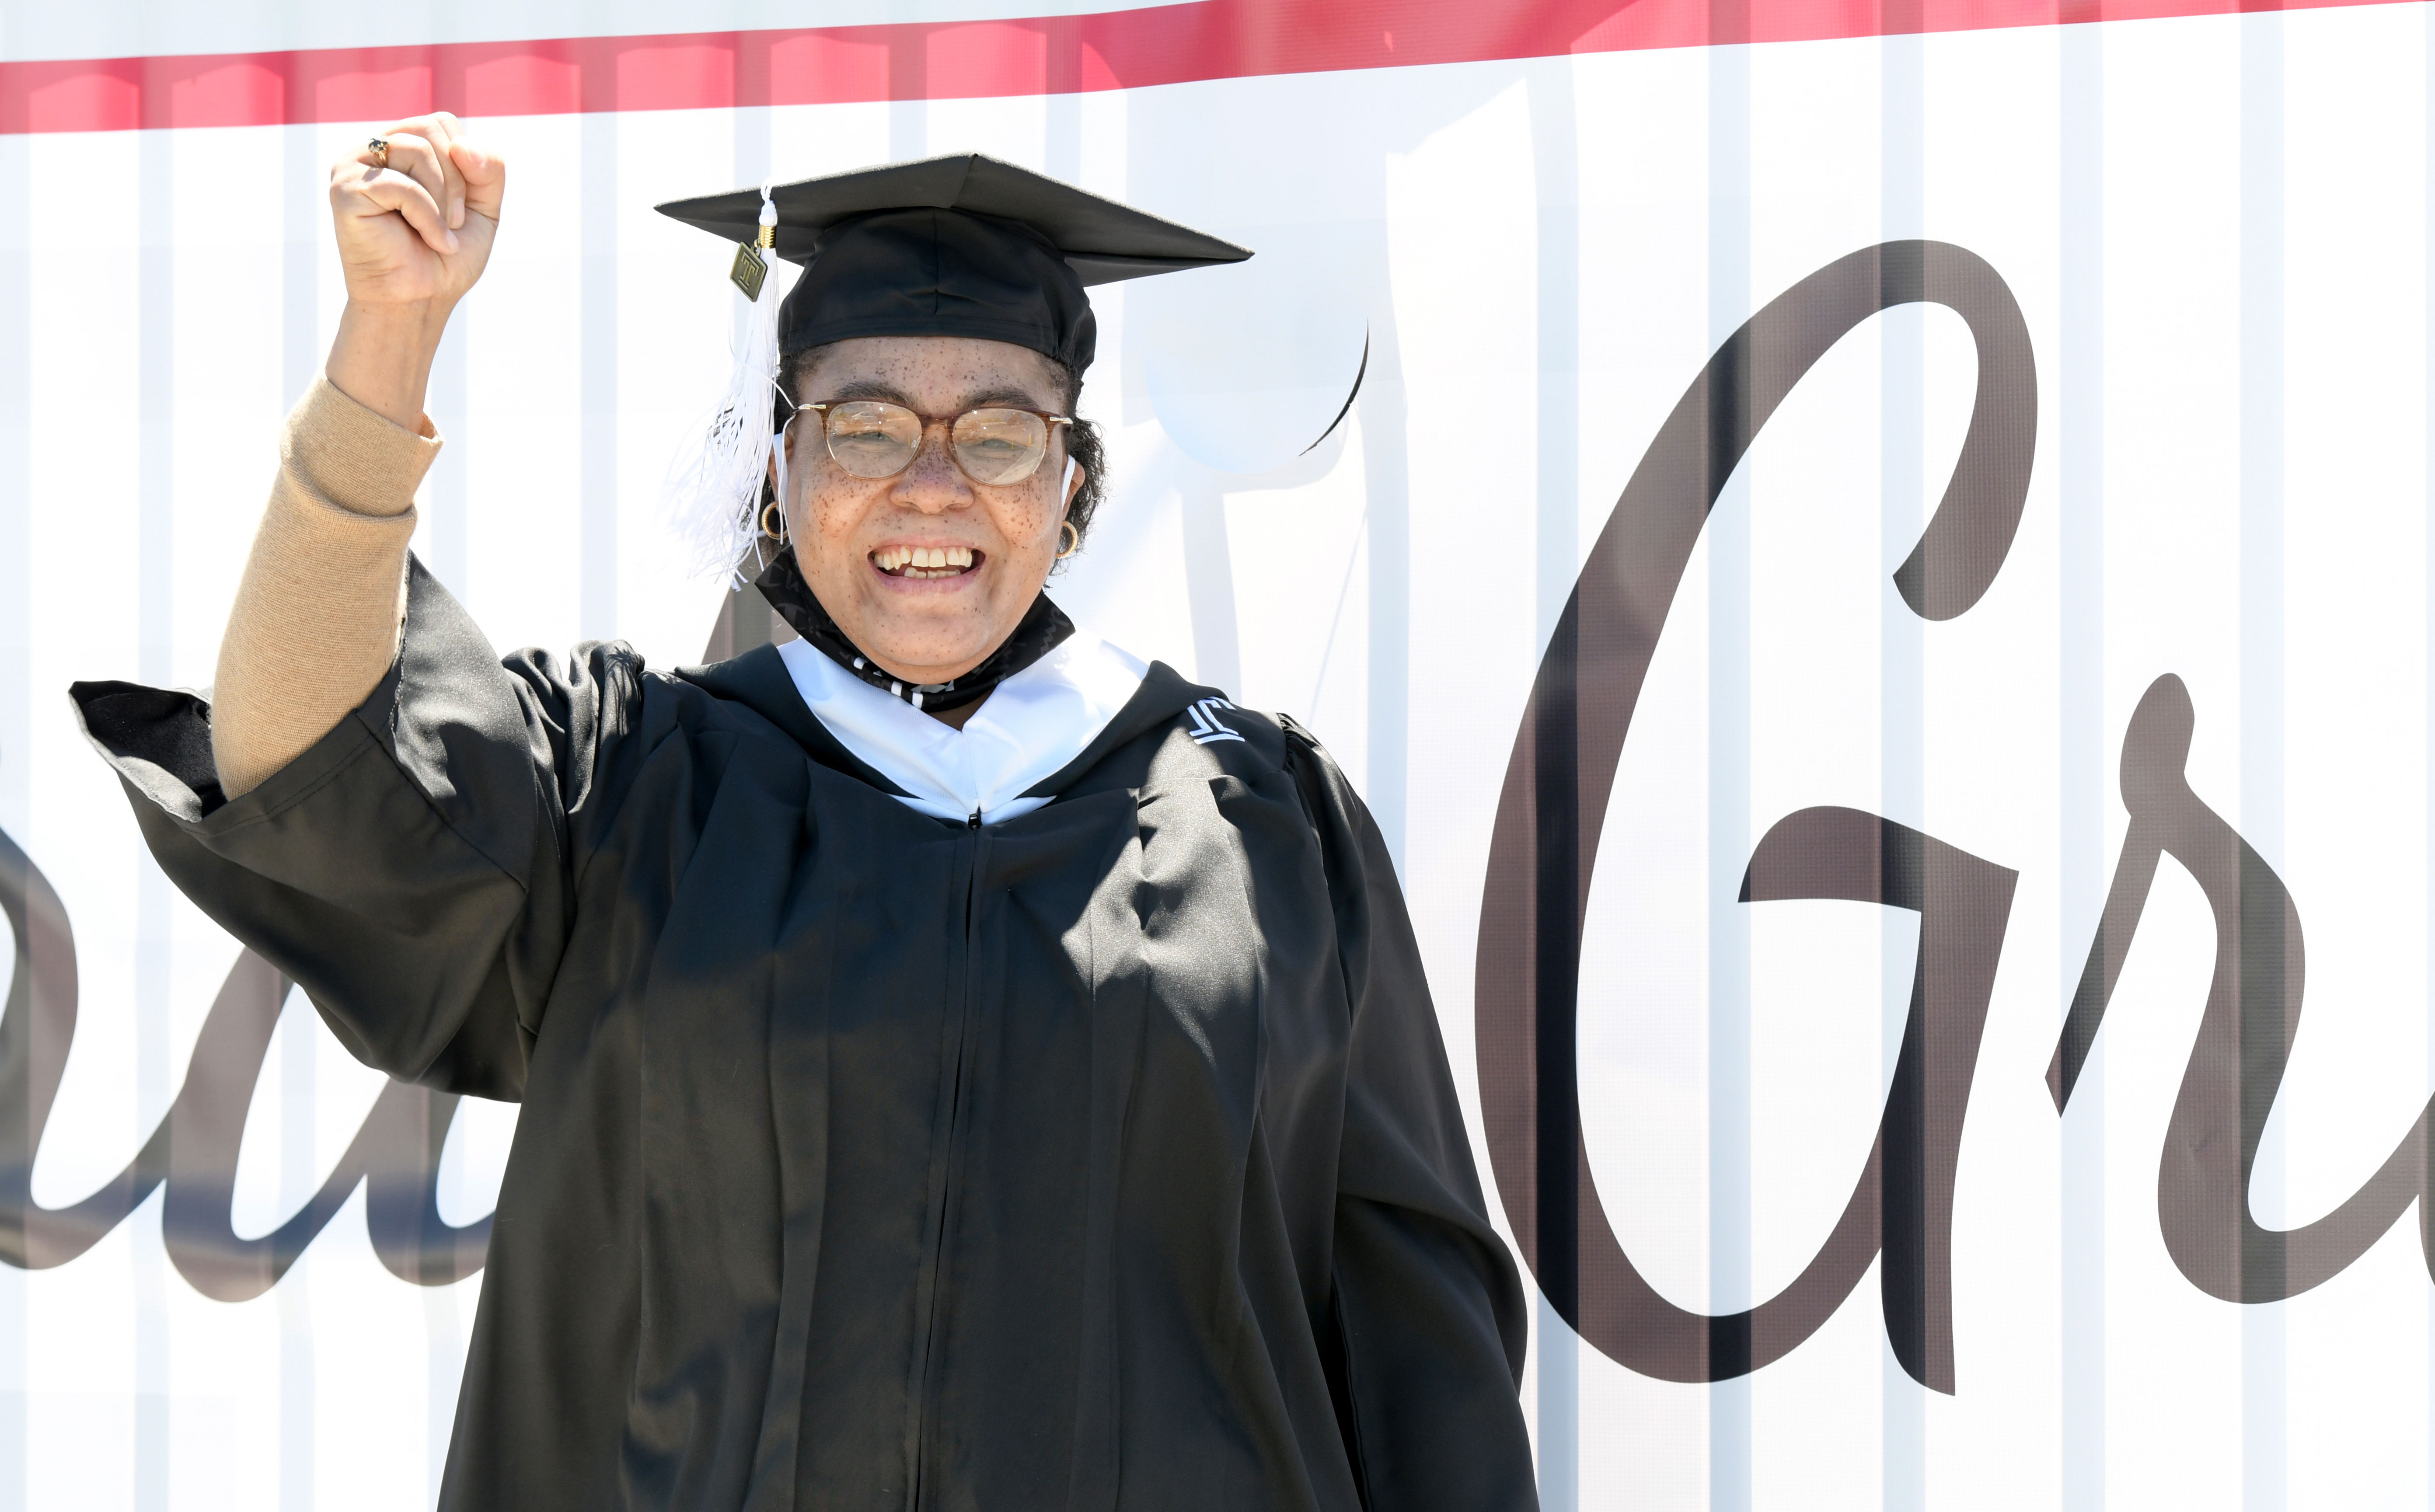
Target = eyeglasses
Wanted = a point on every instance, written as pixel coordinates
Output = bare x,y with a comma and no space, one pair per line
996,444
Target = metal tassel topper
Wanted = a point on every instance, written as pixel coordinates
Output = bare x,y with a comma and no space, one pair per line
751,267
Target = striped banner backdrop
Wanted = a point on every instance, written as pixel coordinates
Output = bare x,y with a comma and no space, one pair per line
1889,1059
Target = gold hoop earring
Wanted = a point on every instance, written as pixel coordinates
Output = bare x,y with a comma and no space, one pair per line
778,531
1073,539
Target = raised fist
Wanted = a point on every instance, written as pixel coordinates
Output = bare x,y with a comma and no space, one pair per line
419,231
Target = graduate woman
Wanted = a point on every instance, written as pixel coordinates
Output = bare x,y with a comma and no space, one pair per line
962,1067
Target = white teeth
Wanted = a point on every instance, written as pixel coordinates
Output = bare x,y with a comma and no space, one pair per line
960,556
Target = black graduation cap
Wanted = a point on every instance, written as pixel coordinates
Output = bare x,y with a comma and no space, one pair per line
961,245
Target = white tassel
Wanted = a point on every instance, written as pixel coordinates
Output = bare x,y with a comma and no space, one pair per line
713,492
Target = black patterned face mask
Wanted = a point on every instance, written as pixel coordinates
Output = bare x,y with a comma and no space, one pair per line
1043,627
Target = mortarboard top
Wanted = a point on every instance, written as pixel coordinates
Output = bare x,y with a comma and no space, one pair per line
963,246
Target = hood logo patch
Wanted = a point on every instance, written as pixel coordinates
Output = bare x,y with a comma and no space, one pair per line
1207,729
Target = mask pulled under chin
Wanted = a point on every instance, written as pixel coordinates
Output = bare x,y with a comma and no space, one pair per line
1043,627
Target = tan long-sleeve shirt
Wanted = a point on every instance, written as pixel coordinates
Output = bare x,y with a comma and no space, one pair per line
316,621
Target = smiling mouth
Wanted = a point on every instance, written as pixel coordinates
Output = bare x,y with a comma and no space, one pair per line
927,561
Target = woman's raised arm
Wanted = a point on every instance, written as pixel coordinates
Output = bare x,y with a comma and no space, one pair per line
315,620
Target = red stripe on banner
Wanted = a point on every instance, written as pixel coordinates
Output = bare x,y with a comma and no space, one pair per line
1052,55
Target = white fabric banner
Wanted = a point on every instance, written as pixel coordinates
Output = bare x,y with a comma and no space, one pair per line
2179,272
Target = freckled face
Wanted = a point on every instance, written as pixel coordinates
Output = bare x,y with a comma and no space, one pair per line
862,542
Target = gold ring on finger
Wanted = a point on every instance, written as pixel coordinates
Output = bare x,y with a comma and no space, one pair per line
379,147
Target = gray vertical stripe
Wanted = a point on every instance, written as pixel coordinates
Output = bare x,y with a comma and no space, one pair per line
156,464
447,504
908,83
16,677
445,1355
155,512
1061,157
1209,580
751,147
1729,819
305,218
299,1033
1554,128
2426,607
304,230
597,504
1388,506
1902,655
2263,1422
2262,1354
17,448
2080,758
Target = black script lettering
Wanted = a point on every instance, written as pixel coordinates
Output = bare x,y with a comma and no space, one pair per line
2244,1040
1553,806
1904,1199
194,1151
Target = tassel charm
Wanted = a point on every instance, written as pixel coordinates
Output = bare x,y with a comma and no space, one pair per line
713,485
749,270
752,265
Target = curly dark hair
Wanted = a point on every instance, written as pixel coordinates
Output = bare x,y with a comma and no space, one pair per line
1082,441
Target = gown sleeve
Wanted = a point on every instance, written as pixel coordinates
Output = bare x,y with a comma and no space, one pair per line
1430,1312
411,870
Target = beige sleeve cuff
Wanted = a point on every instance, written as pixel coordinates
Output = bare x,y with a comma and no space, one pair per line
316,621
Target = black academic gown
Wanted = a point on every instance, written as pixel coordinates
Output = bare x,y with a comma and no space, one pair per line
1104,1157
